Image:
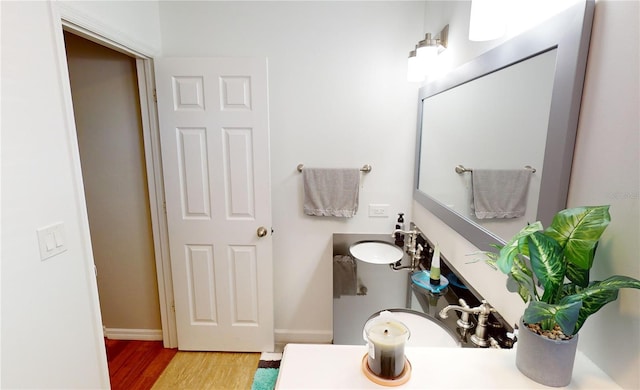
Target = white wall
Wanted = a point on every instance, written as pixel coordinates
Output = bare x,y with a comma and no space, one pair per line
135,23
606,170
338,98
51,325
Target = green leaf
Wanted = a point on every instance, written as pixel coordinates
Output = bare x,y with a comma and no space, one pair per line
578,230
513,247
537,312
547,263
598,294
497,246
524,277
565,315
577,275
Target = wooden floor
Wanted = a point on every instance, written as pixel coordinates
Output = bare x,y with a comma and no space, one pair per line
136,364
143,365
209,370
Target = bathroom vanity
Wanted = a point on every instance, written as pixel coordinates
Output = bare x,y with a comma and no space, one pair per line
381,287
461,366
326,366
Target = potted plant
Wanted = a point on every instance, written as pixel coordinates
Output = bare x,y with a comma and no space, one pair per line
551,270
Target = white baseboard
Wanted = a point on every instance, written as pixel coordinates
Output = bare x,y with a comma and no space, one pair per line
308,336
281,336
133,334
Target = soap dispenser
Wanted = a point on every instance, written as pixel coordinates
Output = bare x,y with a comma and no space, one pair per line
399,240
434,278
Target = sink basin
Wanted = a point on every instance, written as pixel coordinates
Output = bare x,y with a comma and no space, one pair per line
425,330
376,252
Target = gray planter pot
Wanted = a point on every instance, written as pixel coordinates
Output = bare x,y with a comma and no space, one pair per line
546,361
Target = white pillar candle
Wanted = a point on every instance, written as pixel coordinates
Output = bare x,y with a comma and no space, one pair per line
386,349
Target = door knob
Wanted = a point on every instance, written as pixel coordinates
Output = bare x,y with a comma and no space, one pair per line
262,231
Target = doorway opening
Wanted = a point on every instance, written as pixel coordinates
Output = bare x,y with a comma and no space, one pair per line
107,113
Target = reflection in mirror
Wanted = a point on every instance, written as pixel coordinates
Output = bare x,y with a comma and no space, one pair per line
513,106
508,107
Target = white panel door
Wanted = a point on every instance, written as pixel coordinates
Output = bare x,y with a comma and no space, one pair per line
213,115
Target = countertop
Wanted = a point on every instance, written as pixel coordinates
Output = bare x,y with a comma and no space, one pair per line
328,366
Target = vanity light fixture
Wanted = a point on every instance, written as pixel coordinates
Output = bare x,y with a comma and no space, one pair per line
431,46
427,48
423,58
487,20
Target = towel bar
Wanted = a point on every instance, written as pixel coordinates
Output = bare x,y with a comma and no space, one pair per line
366,168
462,169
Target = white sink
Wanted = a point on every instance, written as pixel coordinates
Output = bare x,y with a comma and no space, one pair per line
425,330
376,252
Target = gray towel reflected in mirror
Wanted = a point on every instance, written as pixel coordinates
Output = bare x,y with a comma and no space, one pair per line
345,277
499,193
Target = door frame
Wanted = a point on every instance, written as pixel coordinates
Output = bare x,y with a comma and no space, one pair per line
69,19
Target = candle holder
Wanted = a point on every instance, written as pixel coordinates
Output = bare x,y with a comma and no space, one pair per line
385,362
400,380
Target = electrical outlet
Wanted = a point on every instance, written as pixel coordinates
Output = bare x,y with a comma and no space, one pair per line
379,210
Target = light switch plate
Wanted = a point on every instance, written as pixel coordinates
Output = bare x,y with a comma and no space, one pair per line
378,210
52,240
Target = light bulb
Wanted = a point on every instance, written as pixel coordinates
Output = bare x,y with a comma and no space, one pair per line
487,20
415,73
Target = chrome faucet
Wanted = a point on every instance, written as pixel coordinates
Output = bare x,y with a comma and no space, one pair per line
479,338
410,243
463,322
411,233
411,247
415,256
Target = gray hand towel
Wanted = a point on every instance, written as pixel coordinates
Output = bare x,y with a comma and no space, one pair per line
331,192
500,193
344,276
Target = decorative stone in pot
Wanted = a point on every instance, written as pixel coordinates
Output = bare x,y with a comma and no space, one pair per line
546,361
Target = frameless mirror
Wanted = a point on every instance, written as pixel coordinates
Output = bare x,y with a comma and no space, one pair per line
514,106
